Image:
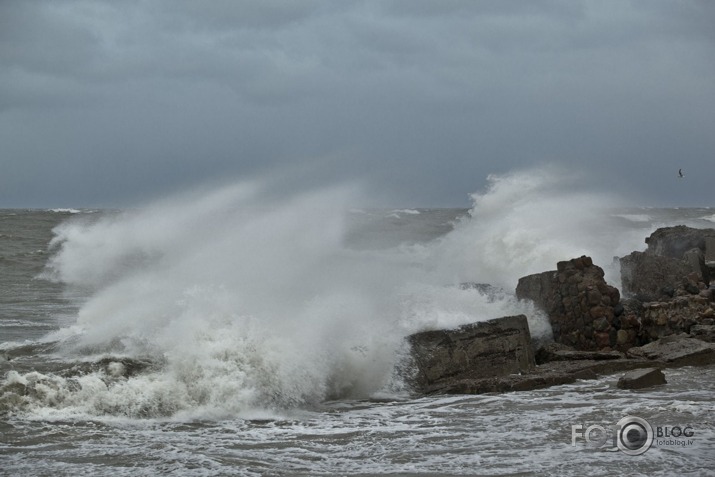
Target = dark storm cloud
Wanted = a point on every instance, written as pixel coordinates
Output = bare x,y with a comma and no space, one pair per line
109,102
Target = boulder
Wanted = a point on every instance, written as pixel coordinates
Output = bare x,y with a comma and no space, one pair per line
641,378
676,350
479,350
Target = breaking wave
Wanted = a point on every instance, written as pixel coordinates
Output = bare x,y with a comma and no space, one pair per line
235,301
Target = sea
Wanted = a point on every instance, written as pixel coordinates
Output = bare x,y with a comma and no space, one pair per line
237,331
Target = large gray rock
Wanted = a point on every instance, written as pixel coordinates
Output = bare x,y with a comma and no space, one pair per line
650,277
676,258
641,378
471,352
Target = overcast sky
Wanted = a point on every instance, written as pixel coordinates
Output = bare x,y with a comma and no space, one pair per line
109,103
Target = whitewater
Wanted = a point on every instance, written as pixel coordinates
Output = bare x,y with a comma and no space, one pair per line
247,331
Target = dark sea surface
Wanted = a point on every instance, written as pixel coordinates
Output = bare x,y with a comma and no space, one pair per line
190,340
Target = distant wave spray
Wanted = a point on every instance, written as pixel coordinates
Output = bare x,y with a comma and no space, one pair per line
528,221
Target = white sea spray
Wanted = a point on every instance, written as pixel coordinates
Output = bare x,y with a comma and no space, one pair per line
248,302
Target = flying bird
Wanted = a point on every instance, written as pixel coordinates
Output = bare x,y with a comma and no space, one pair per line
680,173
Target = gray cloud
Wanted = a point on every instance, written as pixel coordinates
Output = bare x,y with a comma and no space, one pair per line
106,103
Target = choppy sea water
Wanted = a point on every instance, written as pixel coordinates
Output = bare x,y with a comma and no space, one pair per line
526,433
203,339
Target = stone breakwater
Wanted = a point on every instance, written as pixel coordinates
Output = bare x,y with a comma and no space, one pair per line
665,319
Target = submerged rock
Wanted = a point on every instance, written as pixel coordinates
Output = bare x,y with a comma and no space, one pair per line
641,378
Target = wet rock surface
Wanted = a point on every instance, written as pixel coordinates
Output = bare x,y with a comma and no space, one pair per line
580,305
705,332
560,352
675,241
649,277
479,350
641,378
676,350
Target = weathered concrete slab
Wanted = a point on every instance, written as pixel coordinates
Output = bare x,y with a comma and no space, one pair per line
676,350
550,374
560,352
641,378
480,350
